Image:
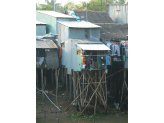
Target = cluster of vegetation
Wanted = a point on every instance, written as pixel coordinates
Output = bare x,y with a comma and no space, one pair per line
91,117
94,5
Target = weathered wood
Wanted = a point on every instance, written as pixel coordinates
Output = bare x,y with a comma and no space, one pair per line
95,107
78,95
100,87
74,82
93,82
42,79
106,89
70,86
93,94
66,80
101,99
52,80
56,76
83,92
44,82
37,85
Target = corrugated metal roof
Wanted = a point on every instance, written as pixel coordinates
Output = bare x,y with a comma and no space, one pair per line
93,46
44,43
56,14
89,40
38,22
80,24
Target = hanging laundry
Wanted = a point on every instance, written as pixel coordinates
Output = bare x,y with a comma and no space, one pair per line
60,52
108,60
40,60
117,49
123,43
126,43
108,45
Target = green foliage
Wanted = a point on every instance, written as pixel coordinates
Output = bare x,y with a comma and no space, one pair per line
94,5
69,5
121,1
58,7
47,7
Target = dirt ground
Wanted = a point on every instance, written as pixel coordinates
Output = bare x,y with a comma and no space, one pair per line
45,109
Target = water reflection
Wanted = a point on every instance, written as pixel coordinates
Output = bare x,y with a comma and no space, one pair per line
117,118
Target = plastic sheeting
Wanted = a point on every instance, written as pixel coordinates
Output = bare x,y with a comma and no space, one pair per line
46,35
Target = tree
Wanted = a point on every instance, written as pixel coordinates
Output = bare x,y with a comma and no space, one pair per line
47,7
121,1
69,5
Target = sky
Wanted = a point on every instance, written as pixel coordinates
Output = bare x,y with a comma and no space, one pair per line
61,1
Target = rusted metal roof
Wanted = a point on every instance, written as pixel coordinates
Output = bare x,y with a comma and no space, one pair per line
38,22
44,43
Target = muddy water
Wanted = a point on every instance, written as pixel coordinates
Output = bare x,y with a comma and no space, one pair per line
117,118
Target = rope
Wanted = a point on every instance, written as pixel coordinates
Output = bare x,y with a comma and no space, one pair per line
48,98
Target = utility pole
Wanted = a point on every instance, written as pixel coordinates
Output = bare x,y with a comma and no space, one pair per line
101,5
106,5
86,12
54,4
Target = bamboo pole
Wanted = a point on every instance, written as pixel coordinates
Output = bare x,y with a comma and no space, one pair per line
93,94
95,107
79,94
83,92
101,99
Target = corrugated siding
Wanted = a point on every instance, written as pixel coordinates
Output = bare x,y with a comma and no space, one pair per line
62,34
118,16
51,22
74,55
63,20
40,29
52,59
68,56
79,33
95,34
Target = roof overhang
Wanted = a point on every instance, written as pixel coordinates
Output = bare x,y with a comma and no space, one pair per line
45,44
92,46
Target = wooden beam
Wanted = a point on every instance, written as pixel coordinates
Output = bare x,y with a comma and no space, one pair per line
37,78
70,86
42,79
52,80
66,80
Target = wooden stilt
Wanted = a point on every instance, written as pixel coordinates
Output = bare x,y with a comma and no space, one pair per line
37,85
106,88
56,76
93,94
52,80
100,87
83,92
44,82
95,107
74,83
70,86
42,79
66,80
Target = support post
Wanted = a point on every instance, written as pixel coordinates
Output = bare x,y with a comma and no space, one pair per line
74,83
42,79
52,80
70,86
66,80
37,78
